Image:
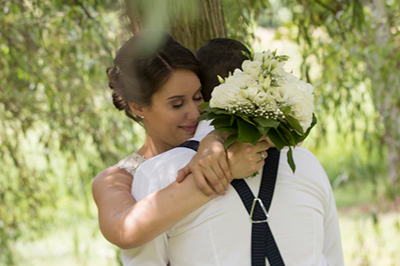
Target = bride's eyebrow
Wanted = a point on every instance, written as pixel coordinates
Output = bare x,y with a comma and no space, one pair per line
175,97
182,96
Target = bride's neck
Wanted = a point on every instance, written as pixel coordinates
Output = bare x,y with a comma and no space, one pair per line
151,148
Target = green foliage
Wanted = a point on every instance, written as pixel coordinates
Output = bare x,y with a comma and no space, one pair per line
58,127
241,18
350,53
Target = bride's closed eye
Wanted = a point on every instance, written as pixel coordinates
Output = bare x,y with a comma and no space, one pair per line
198,98
177,105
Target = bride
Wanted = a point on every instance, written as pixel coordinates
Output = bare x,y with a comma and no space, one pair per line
161,90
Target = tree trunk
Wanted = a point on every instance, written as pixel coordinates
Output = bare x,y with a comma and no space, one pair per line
387,84
192,23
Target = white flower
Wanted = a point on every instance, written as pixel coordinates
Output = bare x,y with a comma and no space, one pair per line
301,99
278,70
237,72
252,92
274,94
261,98
225,95
262,56
241,80
253,68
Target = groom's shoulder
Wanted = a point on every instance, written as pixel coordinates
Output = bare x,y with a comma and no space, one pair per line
168,160
304,154
304,160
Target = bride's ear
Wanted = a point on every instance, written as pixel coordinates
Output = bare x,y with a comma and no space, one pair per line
137,109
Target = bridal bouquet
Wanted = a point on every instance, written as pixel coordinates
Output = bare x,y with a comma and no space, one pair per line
263,99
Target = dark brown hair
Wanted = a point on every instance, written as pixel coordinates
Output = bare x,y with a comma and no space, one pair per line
143,64
219,57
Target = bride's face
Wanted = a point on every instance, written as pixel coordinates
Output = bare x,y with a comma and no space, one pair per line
172,117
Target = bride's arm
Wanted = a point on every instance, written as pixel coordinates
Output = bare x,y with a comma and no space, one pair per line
127,223
211,166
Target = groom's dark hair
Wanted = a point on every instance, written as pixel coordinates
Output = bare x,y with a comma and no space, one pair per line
219,57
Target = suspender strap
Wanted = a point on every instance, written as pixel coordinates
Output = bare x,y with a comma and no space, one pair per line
191,144
263,242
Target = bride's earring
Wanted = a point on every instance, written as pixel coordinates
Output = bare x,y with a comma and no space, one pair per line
142,117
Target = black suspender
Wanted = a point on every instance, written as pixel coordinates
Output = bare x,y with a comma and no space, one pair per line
263,242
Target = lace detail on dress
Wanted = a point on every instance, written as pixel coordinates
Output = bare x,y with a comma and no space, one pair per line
131,163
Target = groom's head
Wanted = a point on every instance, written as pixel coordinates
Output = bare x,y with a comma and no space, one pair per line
219,57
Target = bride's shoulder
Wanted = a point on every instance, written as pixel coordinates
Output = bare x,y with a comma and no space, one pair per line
110,177
131,163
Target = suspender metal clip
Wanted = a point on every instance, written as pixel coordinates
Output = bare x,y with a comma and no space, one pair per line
253,206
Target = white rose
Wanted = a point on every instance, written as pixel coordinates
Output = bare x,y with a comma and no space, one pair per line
302,104
225,95
261,98
252,68
237,72
287,92
274,94
252,92
242,81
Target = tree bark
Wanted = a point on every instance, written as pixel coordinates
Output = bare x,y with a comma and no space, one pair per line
191,23
387,84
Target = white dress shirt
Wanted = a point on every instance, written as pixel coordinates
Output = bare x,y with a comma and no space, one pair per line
302,217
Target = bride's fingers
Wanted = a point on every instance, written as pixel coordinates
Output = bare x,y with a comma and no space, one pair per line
182,173
219,173
226,170
207,172
202,184
213,178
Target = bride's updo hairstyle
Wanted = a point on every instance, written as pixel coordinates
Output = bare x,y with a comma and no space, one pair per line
142,65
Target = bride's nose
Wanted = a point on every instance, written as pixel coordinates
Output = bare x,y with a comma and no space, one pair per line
194,111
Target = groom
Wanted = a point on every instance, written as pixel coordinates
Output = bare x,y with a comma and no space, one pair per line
302,217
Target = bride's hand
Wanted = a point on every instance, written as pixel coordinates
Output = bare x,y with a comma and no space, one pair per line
246,159
209,166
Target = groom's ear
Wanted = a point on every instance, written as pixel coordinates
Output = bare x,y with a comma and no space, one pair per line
137,109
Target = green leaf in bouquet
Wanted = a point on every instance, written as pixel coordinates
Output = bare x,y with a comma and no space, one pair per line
276,138
222,120
263,130
203,116
286,110
264,122
246,54
290,159
294,123
233,119
245,118
298,138
305,135
207,116
230,140
219,111
313,123
204,105
288,137
248,133
223,129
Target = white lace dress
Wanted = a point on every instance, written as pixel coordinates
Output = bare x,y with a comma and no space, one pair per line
141,254
131,163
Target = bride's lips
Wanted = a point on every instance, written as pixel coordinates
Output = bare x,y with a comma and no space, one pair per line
190,128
